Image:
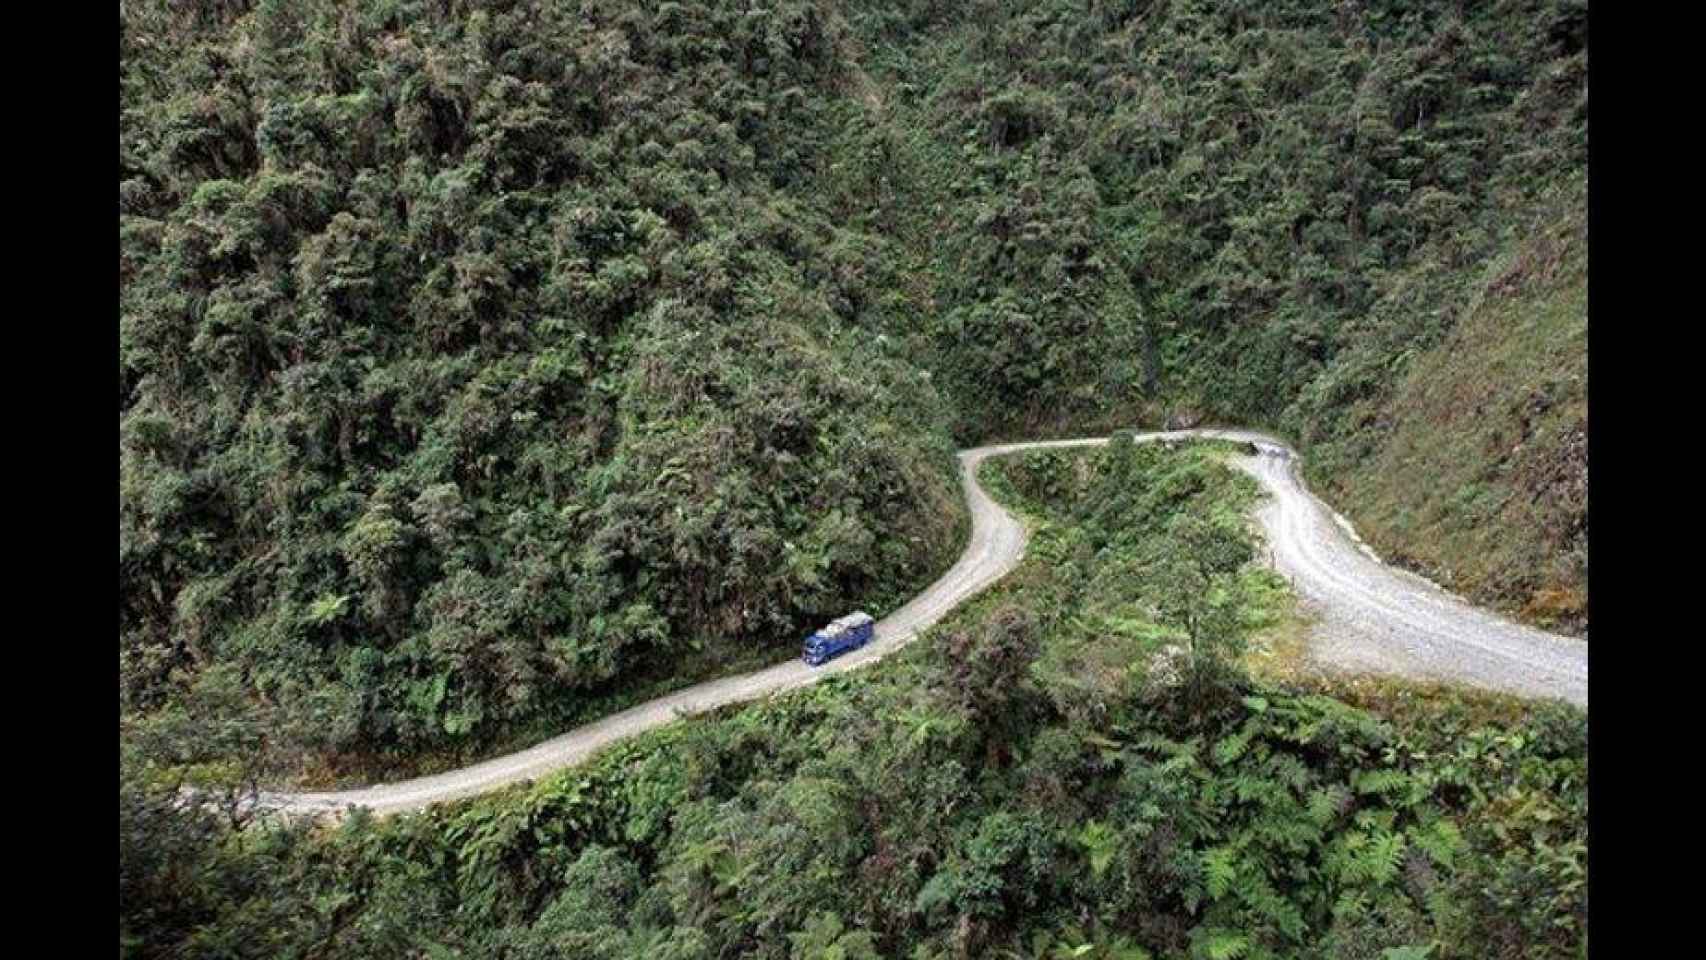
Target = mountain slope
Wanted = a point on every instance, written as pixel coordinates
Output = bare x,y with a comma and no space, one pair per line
484,366
479,362
1279,215
1473,467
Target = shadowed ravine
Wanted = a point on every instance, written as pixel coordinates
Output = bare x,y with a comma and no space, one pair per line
1369,617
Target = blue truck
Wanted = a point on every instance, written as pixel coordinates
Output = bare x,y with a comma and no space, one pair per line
848,633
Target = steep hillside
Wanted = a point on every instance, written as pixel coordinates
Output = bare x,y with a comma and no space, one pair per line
1470,464
1267,215
480,359
487,364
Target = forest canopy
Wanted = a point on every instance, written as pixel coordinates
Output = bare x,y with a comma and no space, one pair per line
486,366
482,363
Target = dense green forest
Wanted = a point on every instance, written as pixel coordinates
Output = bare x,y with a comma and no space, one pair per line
482,365
1061,769
486,365
1278,214
474,361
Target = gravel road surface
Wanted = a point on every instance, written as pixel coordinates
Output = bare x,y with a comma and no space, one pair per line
1370,617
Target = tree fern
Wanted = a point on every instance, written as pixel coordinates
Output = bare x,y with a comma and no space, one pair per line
1167,747
1441,840
1101,842
1324,804
1271,906
1225,945
1350,906
1387,781
1220,870
1229,749
1372,858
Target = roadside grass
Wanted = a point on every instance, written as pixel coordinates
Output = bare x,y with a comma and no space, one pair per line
1279,645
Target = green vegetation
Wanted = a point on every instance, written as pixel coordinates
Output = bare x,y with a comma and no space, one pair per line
1495,416
486,365
1276,214
478,365
1070,766
1231,203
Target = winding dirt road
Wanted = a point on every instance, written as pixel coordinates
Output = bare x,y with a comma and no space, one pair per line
1370,617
